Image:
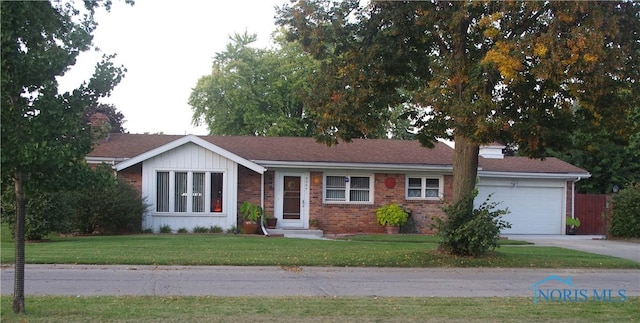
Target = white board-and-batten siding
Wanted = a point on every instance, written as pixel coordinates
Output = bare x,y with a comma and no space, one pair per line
194,158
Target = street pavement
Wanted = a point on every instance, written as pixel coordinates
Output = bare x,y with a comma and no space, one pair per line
92,280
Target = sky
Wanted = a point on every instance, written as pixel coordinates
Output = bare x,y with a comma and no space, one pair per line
166,46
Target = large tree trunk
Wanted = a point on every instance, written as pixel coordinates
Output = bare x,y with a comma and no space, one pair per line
465,158
18,287
465,167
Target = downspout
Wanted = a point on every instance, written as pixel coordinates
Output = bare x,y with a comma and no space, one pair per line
264,230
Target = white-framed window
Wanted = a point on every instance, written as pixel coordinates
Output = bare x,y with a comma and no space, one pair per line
423,187
189,192
348,189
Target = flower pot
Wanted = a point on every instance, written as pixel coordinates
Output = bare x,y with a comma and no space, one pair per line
249,227
271,223
392,229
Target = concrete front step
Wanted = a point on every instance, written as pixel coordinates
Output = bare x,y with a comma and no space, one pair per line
297,233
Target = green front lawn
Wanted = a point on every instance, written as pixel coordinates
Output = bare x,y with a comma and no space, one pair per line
315,309
417,238
253,250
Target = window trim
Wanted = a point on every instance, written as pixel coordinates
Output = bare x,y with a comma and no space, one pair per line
347,189
423,187
189,208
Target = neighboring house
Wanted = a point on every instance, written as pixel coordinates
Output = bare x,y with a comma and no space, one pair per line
194,181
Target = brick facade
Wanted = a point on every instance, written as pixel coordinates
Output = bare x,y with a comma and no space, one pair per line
361,218
249,184
133,176
569,203
347,218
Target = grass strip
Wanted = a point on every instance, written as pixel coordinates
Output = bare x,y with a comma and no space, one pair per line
315,309
417,238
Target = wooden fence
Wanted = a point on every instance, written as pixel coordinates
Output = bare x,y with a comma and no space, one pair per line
590,209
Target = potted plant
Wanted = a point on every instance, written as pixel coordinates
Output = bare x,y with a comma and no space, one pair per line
250,216
391,216
270,221
572,225
313,224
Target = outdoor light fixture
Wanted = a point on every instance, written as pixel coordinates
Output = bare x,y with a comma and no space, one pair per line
615,188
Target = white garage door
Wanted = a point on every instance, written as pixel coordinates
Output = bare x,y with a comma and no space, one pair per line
534,210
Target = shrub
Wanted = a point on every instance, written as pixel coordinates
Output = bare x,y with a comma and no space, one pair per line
215,229
200,230
100,204
108,205
233,230
147,231
469,231
573,222
165,228
625,221
183,230
392,215
45,213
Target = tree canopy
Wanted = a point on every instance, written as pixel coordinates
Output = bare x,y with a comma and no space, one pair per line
253,91
471,71
610,153
258,92
43,135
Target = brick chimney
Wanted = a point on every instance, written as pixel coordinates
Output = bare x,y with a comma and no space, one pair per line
100,126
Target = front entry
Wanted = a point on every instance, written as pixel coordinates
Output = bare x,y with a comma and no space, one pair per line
292,190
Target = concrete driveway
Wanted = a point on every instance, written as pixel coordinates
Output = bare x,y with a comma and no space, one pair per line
593,244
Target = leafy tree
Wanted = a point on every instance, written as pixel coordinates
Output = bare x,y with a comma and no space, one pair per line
610,153
254,91
43,135
473,72
258,92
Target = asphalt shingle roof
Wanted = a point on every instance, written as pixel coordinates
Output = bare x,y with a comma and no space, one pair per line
299,149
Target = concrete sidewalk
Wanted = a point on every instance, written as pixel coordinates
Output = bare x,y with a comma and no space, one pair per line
593,244
90,280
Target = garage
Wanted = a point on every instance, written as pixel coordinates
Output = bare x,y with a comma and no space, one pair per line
536,206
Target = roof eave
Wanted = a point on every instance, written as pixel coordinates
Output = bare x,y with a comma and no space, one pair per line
352,166
506,174
105,160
